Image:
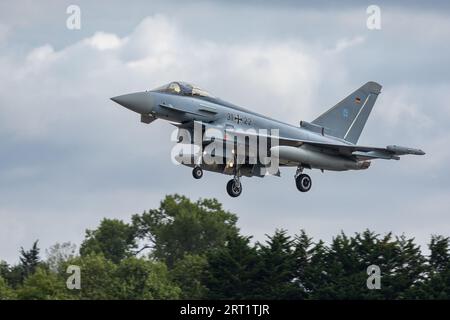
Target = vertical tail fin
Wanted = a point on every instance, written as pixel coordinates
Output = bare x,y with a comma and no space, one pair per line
346,119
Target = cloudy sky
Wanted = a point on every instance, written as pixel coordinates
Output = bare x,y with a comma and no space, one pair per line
69,156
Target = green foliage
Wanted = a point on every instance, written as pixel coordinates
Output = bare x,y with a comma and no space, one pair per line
113,238
277,268
132,278
29,260
189,273
436,284
97,277
5,270
304,253
144,279
345,264
42,285
14,275
233,270
440,254
198,253
6,293
182,227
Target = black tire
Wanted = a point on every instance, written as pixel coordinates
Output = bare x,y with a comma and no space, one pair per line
197,172
233,189
303,182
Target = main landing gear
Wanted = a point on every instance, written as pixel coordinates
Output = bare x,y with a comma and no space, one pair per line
303,181
197,172
234,187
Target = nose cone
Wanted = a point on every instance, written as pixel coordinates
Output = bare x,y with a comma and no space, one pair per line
140,102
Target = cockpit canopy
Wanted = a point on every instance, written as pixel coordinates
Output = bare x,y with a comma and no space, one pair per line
183,88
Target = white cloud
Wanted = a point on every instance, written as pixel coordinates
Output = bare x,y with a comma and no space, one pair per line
400,107
40,54
345,43
268,76
104,41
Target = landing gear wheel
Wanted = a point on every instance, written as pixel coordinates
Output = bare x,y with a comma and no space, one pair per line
234,188
303,182
197,173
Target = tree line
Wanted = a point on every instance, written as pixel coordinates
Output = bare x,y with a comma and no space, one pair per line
194,250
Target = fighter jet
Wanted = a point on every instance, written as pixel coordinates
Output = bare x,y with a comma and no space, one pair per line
329,142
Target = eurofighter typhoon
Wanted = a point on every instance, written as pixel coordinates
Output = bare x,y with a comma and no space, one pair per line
226,138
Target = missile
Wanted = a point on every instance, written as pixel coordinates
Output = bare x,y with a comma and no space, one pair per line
398,150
